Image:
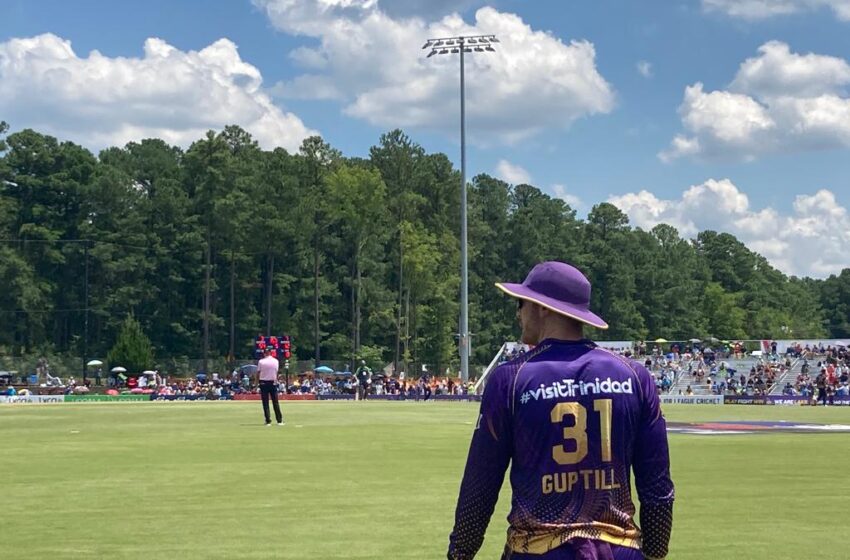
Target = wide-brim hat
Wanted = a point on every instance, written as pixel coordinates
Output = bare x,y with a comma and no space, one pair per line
559,287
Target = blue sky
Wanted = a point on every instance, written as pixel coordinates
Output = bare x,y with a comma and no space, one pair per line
583,99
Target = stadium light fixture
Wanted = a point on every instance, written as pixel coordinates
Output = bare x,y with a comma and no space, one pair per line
459,45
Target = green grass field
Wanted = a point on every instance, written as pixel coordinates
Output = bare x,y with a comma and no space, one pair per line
374,480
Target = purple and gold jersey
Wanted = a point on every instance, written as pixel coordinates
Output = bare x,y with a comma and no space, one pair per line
573,421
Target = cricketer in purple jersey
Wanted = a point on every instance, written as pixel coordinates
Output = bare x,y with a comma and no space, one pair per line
573,421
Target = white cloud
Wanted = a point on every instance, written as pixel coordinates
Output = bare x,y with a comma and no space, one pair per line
779,101
511,173
101,101
644,68
763,9
811,241
777,72
430,8
533,80
571,199
309,58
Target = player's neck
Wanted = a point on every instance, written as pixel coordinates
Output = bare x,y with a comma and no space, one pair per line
561,330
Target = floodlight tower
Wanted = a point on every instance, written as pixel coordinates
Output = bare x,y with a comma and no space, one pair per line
462,45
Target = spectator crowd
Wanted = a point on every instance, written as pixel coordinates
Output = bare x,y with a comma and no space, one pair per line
829,378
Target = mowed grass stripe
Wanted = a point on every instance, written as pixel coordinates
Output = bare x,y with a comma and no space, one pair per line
363,480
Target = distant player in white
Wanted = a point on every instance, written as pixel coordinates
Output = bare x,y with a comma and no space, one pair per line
267,369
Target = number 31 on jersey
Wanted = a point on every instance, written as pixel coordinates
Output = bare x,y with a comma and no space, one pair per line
578,431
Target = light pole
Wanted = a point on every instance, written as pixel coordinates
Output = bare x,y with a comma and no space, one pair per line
462,45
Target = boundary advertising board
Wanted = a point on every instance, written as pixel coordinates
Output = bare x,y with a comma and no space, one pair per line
42,399
691,399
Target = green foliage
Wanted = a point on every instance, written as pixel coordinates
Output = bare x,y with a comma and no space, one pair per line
347,255
372,355
132,348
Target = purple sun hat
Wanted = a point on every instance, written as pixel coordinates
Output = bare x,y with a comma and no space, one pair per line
557,286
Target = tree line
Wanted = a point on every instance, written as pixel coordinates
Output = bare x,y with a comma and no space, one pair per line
209,246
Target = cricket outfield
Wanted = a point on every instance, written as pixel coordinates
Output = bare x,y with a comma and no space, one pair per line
378,480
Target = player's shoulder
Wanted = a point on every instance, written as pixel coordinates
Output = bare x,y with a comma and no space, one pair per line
505,373
499,374
515,363
615,359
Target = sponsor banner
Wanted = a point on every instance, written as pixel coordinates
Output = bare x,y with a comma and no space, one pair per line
765,400
106,398
280,396
470,398
156,397
779,400
43,399
454,398
572,388
336,397
691,399
753,427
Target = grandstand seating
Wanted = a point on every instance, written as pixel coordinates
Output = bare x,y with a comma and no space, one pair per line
790,376
686,380
682,378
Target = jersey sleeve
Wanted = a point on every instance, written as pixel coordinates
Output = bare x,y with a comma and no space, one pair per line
489,455
652,471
